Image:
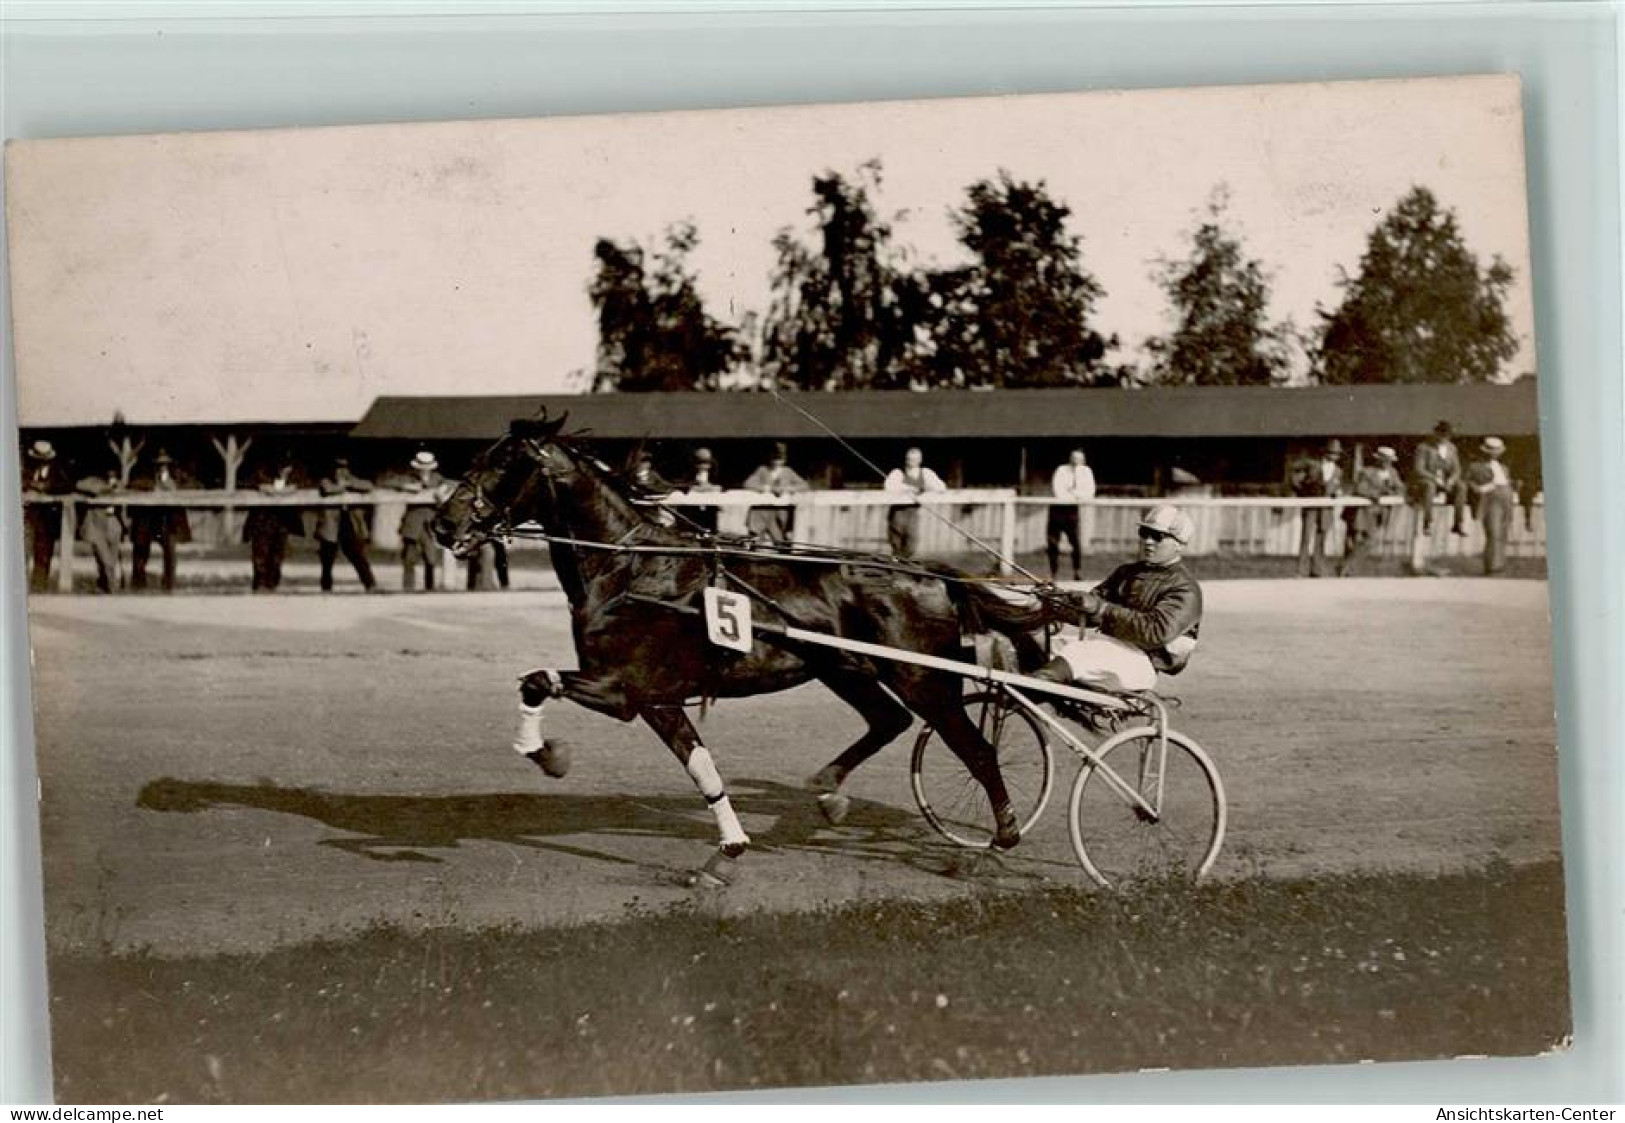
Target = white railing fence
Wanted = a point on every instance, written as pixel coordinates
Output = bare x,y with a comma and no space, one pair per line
1012,524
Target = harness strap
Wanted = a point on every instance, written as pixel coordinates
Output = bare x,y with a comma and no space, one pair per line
717,551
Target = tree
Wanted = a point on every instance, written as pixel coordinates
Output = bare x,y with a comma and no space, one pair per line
653,330
1027,296
843,303
1220,303
1420,309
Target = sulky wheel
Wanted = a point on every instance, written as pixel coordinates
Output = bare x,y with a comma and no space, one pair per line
953,802
1177,831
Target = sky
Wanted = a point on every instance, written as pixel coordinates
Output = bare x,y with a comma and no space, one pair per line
297,274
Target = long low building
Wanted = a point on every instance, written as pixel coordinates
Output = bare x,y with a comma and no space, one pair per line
1231,440
1234,438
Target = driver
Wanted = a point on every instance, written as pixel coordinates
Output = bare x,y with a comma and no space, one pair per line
1142,619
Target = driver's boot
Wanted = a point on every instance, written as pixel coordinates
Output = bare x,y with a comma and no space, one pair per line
1057,670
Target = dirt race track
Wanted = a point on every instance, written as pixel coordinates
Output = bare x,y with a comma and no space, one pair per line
227,773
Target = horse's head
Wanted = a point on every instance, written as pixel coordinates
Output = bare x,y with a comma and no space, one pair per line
501,484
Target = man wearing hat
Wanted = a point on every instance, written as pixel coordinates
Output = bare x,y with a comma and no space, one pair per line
1436,471
1317,477
702,481
1144,617
101,526
778,479
168,526
1364,524
343,528
1495,499
42,518
417,539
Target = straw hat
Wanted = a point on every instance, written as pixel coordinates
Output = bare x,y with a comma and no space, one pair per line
41,450
1494,446
424,461
1386,454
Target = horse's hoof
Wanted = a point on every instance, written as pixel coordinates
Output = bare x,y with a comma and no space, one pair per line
826,781
1007,832
720,869
553,758
834,806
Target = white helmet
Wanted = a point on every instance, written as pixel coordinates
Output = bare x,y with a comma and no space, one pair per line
1170,520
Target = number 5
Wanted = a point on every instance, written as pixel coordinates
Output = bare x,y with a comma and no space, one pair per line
727,619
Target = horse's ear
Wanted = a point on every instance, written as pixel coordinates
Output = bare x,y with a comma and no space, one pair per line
536,428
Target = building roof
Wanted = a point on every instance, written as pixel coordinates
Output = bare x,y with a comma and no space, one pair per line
1184,411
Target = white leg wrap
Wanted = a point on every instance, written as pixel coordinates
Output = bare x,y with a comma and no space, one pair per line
529,738
703,771
728,824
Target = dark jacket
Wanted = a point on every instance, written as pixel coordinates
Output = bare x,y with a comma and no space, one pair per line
44,479
417,521
1150,606
269,522
1309,478
333,522
1435,467
170,522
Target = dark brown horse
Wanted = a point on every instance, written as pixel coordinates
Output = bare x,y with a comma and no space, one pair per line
634,588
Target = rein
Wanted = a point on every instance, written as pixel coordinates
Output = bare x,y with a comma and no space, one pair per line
831,558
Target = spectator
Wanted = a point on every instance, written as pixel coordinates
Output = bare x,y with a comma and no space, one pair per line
42,521
778,479
167,526
344,528
101,527
913,479
1531,488
268,528
1318,477
1435,471
1074,482
702,481
1365,524
1496,498
417,538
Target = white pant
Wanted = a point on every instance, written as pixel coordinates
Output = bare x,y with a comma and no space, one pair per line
1101,661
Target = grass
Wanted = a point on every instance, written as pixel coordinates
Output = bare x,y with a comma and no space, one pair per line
994,985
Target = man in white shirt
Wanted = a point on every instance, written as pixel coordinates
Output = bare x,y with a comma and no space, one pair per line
1073,481
1489,481
913,479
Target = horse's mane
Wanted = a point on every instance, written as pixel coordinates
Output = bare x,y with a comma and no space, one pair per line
614,481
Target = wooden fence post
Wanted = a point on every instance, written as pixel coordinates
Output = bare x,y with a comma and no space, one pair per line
233,454
64,545
127,451
1007,535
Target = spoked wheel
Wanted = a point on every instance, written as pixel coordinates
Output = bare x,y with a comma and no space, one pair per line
953,802
1178,831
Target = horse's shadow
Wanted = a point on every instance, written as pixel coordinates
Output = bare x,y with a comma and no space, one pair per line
407,828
